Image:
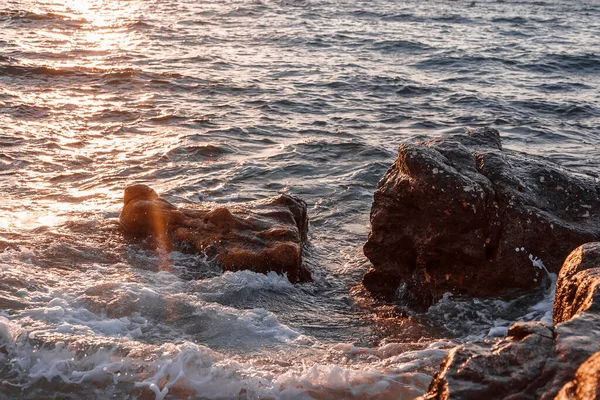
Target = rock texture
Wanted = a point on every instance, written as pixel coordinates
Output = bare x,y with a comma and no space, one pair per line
577,287
261,236
536,361
461,214
586,385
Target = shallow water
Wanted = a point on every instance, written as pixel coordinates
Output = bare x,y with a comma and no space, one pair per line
228,101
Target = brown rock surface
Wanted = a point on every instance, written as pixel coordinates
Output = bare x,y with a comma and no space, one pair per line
453,214
262,236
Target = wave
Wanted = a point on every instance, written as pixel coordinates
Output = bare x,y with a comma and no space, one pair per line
6,59
418,90
389,17
511,20
389,46
518,20
366,14
238,286
26,111
374,85
571,63
476,319
463,62
29,16
142,25
32,70
181,370
561,87
454,18
563,109
112,76
65,20
198,152
410,17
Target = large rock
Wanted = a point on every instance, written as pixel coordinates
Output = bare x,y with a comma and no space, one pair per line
261,236
461,214
535,361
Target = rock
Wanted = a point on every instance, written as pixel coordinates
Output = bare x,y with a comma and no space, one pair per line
536,361
586,385
578,284
262,236
461,214
535,366
475,371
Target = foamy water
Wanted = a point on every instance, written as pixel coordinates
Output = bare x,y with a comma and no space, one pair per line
104,332
228,101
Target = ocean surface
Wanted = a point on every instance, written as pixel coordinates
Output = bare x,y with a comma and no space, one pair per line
232,100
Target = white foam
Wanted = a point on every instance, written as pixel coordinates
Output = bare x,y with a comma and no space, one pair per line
189,369
240,285
546,304
122,311
247,328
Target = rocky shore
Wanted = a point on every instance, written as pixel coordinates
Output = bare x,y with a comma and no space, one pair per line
456,214
461,214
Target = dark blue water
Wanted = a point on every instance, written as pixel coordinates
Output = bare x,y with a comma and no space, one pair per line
228,101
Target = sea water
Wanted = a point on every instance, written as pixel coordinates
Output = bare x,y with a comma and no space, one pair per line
235,100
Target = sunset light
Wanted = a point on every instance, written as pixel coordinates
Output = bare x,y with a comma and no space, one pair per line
299,199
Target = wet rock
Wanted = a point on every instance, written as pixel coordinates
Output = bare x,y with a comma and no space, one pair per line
534,366
578,284
262,236
495,370
461,214
536,361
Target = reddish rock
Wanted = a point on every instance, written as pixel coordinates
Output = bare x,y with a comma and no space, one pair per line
262,236
586,385
453,213
578,284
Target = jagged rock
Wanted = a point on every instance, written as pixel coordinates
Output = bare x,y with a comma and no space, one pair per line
535,361
461,214
578,284
262,236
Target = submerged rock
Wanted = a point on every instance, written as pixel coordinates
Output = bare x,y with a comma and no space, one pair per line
262,236
461,214
536,361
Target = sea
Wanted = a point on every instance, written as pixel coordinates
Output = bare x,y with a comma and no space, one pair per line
225,101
